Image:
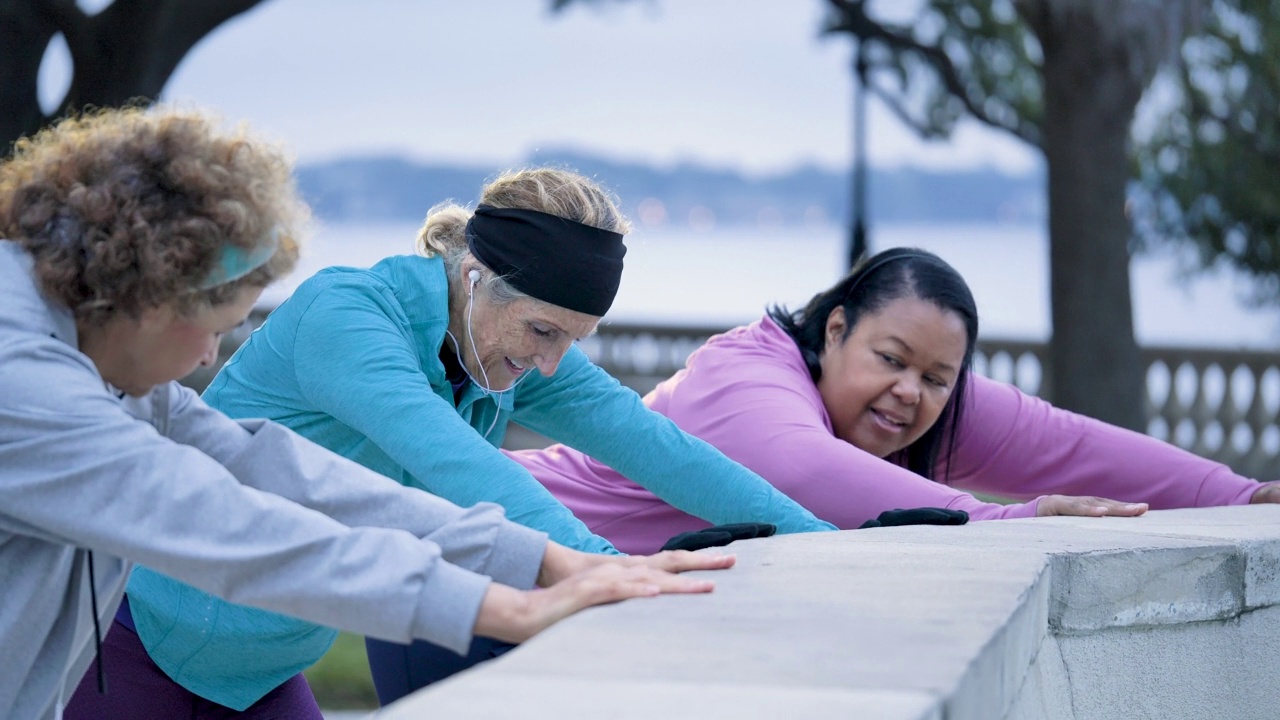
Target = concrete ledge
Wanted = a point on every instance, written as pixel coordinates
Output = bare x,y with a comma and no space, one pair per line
1163,616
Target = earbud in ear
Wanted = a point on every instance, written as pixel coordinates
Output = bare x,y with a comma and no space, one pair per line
474,276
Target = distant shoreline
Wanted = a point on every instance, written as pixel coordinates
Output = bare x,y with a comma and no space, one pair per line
728,275
390,188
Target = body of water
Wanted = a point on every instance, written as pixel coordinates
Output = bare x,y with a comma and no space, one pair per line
728,276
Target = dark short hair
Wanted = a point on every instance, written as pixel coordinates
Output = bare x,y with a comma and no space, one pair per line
871,285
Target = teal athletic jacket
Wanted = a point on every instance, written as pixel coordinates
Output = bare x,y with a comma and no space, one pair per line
352,361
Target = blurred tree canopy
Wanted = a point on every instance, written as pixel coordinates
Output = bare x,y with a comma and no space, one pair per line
1211,166
123,54
1065,76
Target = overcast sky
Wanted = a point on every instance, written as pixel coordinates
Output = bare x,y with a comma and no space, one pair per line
747,84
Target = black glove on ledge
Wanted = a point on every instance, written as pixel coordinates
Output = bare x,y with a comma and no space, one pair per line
719,535
917,516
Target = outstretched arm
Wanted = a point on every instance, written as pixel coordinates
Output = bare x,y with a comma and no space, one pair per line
1019,446
586,409
269,457
80,470
357,363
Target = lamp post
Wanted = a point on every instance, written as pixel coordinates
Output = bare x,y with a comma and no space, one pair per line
858,237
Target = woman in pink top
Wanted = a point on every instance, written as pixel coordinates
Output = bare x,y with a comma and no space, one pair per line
865,401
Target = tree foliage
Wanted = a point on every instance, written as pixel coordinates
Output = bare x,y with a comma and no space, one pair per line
1065,76
950,60
1211,166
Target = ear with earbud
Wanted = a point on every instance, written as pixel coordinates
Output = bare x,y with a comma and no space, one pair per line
474,277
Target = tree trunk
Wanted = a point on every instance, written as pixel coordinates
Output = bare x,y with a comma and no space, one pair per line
1090,93
124,53
24,35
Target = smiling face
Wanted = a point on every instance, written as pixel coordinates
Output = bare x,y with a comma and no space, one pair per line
137,354
888,382
513,338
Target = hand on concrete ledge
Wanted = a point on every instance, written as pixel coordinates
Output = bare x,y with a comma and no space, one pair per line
1087,506
1268,493
560,563
515,616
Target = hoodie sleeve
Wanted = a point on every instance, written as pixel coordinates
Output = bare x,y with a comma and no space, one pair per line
270,457
80,470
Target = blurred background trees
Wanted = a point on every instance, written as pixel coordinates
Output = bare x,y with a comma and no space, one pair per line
1067,77
1210,168
1199,168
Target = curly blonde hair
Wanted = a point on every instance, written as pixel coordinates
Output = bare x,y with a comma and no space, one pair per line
546,189
128,209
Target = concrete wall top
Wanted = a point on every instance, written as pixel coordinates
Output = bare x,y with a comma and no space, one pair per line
901,623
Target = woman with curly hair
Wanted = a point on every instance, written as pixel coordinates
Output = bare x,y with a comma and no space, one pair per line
132,241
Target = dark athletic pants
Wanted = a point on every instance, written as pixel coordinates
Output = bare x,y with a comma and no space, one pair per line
137,689
400,669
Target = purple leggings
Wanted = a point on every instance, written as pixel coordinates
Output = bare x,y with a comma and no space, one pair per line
137,689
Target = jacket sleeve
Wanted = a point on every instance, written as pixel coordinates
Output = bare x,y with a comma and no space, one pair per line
272,458
768,418
355,362
80,470
585,408
1020,446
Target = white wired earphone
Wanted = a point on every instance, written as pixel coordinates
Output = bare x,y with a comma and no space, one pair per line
473,277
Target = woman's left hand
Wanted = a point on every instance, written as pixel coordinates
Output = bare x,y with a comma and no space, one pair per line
1268,493
560,562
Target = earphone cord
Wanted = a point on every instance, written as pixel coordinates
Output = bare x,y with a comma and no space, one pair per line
457,351
471,336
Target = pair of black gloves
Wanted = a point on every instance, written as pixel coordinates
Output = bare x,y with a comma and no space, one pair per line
720,535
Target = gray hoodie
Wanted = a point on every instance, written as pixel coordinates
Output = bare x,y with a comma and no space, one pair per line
246,510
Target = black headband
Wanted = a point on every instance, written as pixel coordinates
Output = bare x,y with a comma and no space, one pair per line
553,259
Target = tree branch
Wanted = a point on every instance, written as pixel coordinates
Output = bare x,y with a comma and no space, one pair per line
853,19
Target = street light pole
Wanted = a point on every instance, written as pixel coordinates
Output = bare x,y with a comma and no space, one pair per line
858,239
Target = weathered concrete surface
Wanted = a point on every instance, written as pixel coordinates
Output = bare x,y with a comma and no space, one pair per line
1162,616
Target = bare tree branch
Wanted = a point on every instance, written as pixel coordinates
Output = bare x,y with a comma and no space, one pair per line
853,19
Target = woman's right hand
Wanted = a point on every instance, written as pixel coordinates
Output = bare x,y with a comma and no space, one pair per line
516,615
1087,506
560,562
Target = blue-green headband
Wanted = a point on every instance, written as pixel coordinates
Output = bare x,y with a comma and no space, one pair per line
236,262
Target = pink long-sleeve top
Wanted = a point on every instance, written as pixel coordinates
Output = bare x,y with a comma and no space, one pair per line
749,393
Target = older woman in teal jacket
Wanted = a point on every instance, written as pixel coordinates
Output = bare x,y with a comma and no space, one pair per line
413,368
